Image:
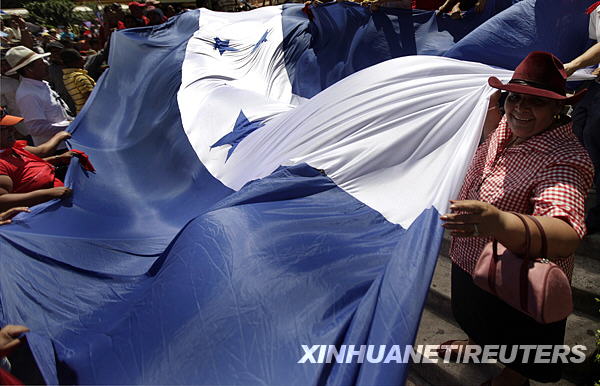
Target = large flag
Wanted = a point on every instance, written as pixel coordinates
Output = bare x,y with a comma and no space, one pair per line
265,183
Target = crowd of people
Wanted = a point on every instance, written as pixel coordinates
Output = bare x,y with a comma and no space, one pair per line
77,54
532,136
47,75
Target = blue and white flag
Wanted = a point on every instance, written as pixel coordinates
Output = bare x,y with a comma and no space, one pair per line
262,188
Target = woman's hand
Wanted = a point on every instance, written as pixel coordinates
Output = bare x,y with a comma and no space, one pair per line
6,217
61,159
9,338
59,192
570,68
62,135
480,6
471,218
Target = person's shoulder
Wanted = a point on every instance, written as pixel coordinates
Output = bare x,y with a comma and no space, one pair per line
7,81
571,152
82,77
27,91
24,89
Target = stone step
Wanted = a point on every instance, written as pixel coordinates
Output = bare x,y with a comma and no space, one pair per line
434,330
589,247
437,325
414,379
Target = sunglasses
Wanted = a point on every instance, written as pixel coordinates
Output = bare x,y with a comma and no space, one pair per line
531,100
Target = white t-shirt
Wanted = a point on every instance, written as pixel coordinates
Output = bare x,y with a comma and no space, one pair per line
595,24
43,111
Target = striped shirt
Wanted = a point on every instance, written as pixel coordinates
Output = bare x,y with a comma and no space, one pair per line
79,85
547,175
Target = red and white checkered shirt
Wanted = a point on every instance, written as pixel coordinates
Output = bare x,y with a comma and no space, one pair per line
550,174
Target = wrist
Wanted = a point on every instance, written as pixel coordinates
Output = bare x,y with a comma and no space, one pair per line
576,64
505,220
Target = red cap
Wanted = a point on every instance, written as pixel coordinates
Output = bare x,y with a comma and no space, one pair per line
136,4
8,120
592,7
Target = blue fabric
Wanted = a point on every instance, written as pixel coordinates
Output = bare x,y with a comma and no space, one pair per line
345,38
242,286
156,273
558,26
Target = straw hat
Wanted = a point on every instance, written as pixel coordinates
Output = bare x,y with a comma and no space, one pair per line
19,56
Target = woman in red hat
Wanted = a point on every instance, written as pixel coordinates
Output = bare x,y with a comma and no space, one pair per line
531,164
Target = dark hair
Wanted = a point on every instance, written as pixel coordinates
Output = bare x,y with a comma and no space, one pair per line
70,57
501,101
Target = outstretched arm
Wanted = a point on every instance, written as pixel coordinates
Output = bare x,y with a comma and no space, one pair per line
10,200
588,58
50,146
467,216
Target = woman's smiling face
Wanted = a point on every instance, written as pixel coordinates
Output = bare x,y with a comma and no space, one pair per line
529,115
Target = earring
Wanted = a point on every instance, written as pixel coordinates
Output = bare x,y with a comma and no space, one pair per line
557,117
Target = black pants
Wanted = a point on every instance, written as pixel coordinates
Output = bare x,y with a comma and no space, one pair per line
487,320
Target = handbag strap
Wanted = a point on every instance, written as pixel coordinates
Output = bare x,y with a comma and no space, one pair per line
527,239
523,276
527,234
542,235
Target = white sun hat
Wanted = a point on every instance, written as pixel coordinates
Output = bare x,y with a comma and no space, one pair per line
19,57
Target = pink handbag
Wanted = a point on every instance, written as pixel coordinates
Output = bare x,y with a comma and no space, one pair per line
535,286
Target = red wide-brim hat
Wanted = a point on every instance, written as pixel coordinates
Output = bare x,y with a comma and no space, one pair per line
540,74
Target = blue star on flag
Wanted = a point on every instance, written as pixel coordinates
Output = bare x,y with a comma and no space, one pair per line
242,128
222,46
261,40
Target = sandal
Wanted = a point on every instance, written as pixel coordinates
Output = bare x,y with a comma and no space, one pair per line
444,347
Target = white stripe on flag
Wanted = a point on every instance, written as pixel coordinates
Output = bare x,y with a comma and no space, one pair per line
398,136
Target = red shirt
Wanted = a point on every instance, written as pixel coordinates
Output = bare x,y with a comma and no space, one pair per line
550,174
7,378
27,171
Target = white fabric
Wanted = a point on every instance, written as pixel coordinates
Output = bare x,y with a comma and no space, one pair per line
397,136
216,87
595,24
43,111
